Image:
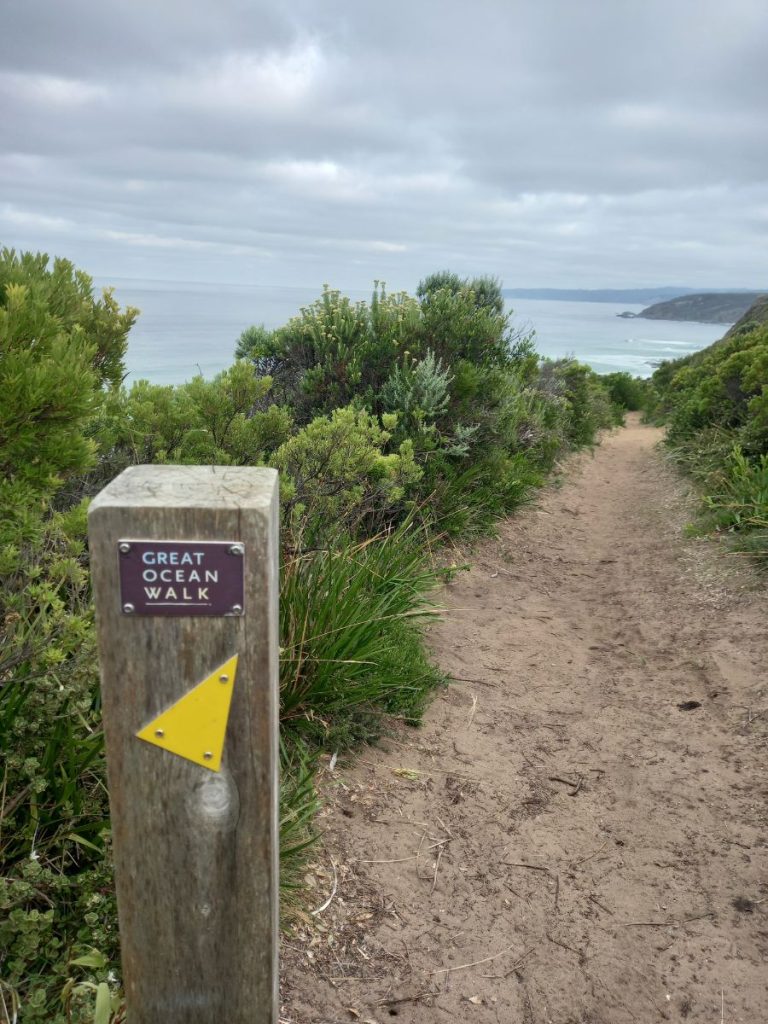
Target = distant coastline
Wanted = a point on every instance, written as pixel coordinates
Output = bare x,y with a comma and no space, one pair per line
700,307
630,296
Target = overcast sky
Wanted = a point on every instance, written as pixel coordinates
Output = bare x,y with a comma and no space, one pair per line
563,143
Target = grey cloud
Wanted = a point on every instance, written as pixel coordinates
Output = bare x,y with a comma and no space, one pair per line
556,143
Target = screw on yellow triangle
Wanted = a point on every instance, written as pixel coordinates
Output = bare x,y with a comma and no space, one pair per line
195,726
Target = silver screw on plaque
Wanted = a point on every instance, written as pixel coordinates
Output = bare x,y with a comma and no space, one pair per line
223,679
125,547
207,755
128,608
236,549
160,732
237,609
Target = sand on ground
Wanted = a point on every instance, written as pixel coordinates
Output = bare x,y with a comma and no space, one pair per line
578,831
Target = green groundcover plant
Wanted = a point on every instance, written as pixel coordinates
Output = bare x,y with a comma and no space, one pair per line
394,424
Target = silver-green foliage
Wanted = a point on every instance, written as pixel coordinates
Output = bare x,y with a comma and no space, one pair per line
418,391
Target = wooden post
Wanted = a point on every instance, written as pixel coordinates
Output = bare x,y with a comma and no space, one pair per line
185,577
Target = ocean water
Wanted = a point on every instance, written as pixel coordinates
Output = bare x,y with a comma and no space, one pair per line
187,328
594,333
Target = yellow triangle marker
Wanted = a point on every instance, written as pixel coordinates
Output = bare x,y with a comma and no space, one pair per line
195,726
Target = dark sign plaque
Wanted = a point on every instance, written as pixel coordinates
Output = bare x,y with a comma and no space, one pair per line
181,577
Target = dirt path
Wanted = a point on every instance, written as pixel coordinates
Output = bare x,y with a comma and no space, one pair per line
559,821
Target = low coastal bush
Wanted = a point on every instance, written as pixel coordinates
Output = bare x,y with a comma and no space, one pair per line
394,424
716,407
61,353
337,474
626,392
739,502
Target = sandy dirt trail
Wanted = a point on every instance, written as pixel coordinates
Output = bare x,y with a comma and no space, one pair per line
562,841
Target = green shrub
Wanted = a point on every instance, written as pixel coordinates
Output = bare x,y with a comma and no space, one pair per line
223,421
716,406
59,350
625,391
255,343
464,320
336,476
726,388
418,391
55,891
61,356
485,291
59,305
336,351
583,404
739,503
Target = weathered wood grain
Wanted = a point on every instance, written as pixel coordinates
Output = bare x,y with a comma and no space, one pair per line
196,852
